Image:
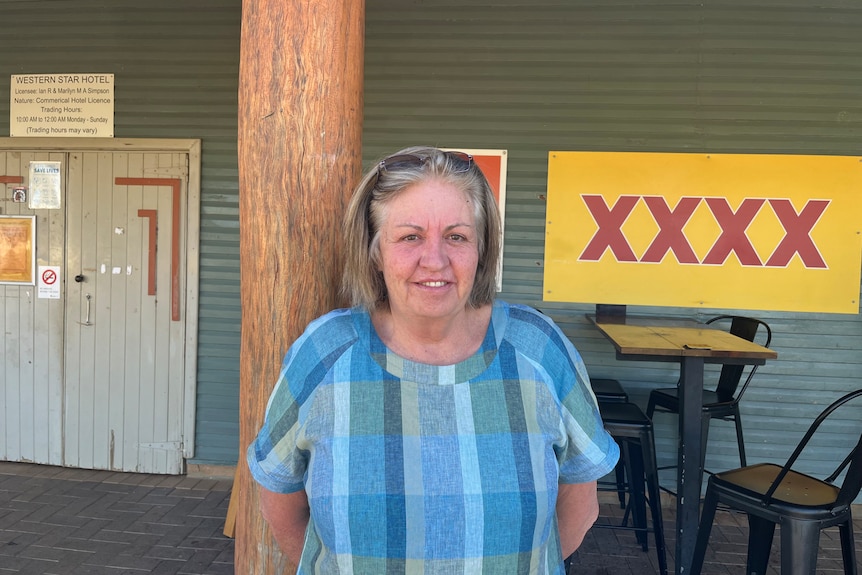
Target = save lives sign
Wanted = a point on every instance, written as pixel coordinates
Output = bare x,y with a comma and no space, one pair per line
769,232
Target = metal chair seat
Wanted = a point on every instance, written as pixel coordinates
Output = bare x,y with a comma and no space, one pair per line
803,505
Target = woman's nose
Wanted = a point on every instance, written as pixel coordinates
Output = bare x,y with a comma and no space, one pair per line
434,253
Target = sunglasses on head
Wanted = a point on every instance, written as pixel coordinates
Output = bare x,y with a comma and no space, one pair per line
460,161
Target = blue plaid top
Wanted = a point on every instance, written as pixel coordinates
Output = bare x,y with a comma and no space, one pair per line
416,468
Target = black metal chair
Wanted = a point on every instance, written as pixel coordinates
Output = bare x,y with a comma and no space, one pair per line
723,401
802,505
633,430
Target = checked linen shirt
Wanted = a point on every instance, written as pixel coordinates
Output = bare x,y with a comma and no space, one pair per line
415,468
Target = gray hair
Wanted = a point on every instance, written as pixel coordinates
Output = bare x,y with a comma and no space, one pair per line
362,281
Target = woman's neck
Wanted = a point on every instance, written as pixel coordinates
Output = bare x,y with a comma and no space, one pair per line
443,342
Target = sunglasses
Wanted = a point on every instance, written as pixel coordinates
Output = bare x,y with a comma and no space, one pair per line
461,162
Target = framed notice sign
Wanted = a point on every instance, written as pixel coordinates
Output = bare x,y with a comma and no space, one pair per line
62,105
18,250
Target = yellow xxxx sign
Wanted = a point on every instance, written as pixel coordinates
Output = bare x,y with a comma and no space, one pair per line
777,232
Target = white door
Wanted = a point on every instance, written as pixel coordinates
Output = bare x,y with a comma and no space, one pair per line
125,328
102,378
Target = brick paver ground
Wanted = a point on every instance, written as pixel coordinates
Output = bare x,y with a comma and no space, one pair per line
616,552
56,521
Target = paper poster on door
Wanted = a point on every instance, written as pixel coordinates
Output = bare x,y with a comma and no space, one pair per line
45,186
48,286
17,249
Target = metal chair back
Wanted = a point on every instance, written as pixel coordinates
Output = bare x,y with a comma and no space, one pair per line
731,375
852,484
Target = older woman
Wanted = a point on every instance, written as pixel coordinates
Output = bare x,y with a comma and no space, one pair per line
429,428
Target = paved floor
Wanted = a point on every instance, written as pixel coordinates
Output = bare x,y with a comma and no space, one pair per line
616,552
73,522
56,521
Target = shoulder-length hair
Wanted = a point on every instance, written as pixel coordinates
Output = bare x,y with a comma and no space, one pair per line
362,281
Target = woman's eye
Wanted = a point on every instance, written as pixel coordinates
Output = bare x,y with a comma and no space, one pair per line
457,238
410,238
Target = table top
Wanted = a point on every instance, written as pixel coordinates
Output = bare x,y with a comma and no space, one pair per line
678,338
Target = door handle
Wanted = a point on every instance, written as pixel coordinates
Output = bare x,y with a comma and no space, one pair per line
79,278
87,318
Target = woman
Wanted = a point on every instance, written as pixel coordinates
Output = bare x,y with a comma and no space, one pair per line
429,428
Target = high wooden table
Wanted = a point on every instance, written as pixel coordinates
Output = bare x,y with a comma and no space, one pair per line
692,345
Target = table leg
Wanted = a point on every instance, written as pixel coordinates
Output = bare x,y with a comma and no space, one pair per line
690,470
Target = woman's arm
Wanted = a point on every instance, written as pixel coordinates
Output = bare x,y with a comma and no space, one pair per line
577,510
287,516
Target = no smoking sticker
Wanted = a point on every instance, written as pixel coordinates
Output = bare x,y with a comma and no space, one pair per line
49,282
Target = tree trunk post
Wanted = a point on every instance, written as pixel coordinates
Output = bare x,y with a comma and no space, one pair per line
299,145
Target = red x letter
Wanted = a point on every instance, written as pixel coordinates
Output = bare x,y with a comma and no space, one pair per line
670,236
797,233
609,234
733,226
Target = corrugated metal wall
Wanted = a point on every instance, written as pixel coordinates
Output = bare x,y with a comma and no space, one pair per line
527,76
605,75
176,67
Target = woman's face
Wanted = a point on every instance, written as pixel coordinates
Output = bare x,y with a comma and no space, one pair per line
429,251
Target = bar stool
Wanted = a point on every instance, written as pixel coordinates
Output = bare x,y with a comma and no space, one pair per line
609,390
633,430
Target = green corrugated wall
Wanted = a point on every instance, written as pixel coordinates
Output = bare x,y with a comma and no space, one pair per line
526,76
707,76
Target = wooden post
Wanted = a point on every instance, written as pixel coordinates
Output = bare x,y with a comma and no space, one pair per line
300,126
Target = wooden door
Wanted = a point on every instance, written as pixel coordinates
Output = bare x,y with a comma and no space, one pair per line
125,311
